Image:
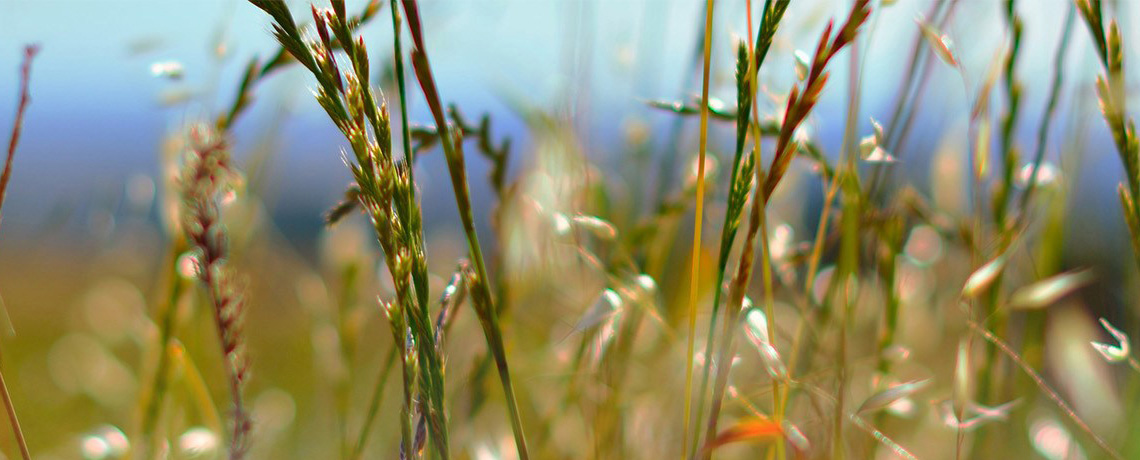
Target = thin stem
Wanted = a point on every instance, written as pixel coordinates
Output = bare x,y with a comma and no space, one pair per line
694,279
17,125
374,403
420,272
1048,391
911,95
732,312
11,410
778,395
167,315
1050,110
22,107
481,294
749,61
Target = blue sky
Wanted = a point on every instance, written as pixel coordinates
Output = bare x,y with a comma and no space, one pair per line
96,118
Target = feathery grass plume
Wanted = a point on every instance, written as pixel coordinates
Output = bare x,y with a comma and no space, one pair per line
350,202
206,174
14,140
1111,93
256,71
698,224
386,188
479,285
449,302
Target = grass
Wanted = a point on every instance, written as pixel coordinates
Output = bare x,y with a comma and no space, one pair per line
207,174
855,309
13,141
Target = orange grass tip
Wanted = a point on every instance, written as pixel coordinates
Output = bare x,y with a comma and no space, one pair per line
759,429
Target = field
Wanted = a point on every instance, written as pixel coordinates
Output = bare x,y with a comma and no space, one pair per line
837,229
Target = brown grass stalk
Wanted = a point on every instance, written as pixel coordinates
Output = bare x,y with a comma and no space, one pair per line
17,125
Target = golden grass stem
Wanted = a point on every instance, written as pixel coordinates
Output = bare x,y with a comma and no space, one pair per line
778,396
152,399
11,411
695,270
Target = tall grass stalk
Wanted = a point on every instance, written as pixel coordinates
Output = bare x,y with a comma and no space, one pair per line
1051,238
382,378
698,220
386,191
498,153
1009,151
769,23
742,168
14,140
741,173
799,105
383,189
480,284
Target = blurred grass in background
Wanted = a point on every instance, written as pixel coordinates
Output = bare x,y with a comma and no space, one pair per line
589,234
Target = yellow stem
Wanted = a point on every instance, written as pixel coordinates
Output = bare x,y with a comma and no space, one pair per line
694,283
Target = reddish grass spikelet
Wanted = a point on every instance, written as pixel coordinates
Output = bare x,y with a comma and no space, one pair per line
801,101
206,173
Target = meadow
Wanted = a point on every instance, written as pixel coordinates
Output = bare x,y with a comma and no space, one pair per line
768,261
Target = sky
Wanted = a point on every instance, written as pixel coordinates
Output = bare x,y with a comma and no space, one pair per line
98,117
